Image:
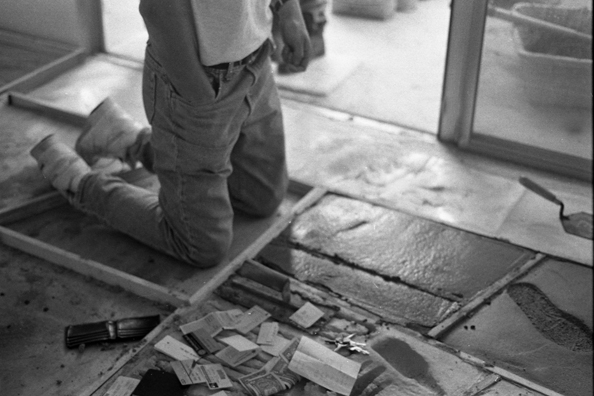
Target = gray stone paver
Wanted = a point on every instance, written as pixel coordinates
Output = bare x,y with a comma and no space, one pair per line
392,299
439,259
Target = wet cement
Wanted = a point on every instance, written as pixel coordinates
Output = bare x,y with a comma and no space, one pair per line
560,327
442,260
389,298
408,362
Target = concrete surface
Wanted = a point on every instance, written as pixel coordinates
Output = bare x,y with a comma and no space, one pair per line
540,328
37,301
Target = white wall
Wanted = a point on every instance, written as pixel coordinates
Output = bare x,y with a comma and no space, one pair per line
52,19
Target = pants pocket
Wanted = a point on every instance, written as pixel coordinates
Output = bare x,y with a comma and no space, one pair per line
149,93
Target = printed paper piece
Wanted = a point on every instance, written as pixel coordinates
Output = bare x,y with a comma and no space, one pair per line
233,357
278,344
228,319
240,343
251,319
175,349
307,315
188,372
267,333
210,323
324,367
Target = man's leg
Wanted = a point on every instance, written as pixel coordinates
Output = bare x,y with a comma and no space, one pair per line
259,180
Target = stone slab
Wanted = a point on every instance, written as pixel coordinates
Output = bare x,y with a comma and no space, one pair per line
392,299
442,260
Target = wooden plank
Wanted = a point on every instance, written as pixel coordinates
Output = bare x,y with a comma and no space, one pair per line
92,268
485,295
312,197
31,207
47,109
33,43
507,375
45,73
54,199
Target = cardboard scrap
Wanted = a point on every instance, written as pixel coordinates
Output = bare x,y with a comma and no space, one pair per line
267,333
251,319
175,349
307,315
324,367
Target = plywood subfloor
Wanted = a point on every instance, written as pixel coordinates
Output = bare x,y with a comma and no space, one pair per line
83,235
37,301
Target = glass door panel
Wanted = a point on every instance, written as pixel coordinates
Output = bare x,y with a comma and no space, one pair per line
535,82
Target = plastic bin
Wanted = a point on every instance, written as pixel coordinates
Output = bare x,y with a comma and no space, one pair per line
555,70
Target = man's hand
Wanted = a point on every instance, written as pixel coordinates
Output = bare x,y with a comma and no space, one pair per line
297,50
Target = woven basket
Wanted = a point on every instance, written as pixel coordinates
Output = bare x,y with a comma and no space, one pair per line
375,9
555,70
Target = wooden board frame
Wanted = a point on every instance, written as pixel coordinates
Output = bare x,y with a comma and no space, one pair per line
108,274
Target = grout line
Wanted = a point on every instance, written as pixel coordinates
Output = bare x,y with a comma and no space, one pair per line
485,295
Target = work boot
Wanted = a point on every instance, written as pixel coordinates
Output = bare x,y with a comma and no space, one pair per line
60,164
109,132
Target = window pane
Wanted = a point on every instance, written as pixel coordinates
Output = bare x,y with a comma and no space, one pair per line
535,84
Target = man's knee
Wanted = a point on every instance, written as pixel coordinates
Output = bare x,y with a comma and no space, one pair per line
263,205
208,256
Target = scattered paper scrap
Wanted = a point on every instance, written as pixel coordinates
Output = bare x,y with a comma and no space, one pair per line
251,319
122,386
278,344
228,319
274,376
216,378
324,367
268,331
233,357
175,349
188,372
210,323
240,343
307,315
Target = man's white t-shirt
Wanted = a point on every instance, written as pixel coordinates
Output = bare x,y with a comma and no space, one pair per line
230,30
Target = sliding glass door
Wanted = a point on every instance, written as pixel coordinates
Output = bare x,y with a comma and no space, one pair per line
518,83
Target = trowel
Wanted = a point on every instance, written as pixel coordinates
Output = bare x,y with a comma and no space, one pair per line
579,224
